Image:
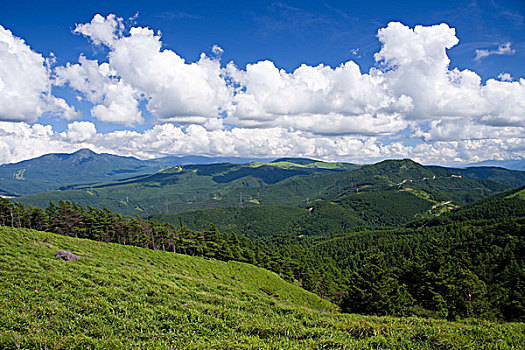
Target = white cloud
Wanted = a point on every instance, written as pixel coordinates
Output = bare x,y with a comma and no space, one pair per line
169,139
448,130
503,49
418,67
505,77
25,87
314,111
20,141
412,87
217,50
115,101
316,99
174,90
102,30
79,132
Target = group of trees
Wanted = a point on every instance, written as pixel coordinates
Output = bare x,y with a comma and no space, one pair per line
294,263
465,263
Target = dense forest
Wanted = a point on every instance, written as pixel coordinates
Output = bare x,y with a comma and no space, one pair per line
468,262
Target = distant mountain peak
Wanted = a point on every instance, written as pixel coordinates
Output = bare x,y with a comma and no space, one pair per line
84,151
300,161
398,163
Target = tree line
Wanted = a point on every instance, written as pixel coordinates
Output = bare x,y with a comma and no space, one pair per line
294,263
466,263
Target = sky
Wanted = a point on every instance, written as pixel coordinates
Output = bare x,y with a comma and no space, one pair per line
440,82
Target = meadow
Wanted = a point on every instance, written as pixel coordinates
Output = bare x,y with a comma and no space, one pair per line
125,297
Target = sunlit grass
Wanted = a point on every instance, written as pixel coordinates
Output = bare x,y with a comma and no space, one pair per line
125,297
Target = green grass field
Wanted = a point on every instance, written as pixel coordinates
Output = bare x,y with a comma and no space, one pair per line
123,297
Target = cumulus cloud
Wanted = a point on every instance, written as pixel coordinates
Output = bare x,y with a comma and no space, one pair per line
36,140
169,139
138,68
316,99
416,65
318,111
448,130
114,100
505,77
102,30
412,84
79,132
25,86
503,49
412,87
217,50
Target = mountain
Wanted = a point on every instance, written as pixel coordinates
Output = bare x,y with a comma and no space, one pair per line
183,160
126,297
518,164
282,183
501,175
52,171
386,194
57,170
192,187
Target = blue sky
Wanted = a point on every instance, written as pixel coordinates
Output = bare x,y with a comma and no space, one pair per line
377,116
288,33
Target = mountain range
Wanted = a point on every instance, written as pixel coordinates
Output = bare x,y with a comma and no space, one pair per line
52,171
136,187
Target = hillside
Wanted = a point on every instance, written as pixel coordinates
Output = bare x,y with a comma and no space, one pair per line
280,183
253,222
389,193
126,297
501,175
52,171
193,187
477,248
320,217
63,170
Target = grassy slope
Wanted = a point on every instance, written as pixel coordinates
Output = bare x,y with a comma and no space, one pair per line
520,195
126,297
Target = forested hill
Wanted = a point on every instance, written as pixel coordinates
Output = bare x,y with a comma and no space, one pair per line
467,262
197,186
429,266
56,170
387,194
51,171
284,182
